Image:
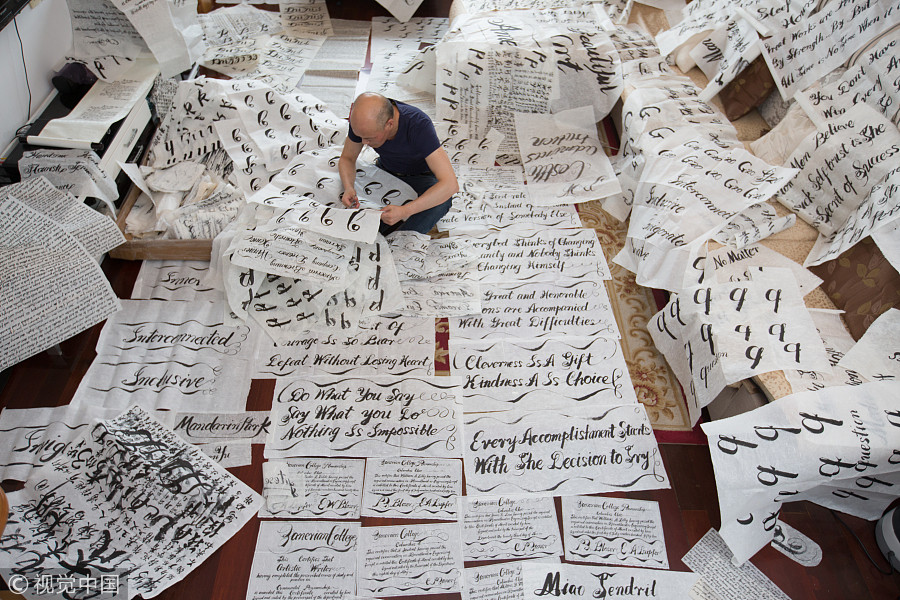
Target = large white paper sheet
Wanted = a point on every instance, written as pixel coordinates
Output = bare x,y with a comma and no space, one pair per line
100,30
172,30
753,224
876,355
614,531
427,298
837,341
535,374
412,488
409,560
801,54
378,416
833,446
402,9
605,582
725,264
174,280
580,451
711,558
307,561
202,428
75,171
383,346
176,517
508,527
563,157
35,437
540,310
51,287
95,231
332,489
840,164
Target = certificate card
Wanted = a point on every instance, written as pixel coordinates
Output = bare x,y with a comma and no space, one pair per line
304,561
412,488
505,527
332,489
409,560
614,531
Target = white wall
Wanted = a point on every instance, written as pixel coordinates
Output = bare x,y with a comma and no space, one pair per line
46,37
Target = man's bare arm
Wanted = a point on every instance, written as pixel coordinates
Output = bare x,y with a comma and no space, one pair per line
347,171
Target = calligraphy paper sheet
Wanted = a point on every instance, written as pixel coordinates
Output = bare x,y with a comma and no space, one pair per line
498,581
384,346
95,231
51,287
538,255
202,428
229,454
174,280
563,158
753,224
303,560
412,488
888,241
840,164
100,30
539,310
876,355
800,55
837,341
606,582
174,521
409,560
402,9
713,336
614,531
832,446
508,527
332,489
38,436
724,265
428,298
534,374
305,17
75,171
711,558
377,416
171,30
175,355
584,451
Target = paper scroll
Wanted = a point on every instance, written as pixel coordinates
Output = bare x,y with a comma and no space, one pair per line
409,560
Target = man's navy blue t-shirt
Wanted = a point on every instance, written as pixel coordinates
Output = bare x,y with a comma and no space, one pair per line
415,139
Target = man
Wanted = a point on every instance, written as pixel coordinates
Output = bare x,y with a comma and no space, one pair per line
408,148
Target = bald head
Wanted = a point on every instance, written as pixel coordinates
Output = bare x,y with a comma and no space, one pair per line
372,118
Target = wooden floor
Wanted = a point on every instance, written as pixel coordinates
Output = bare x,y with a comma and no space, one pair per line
688,510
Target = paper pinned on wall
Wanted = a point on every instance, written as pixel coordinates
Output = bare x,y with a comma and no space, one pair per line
171,30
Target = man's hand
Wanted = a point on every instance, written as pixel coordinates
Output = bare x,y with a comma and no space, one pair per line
392,215
349,199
